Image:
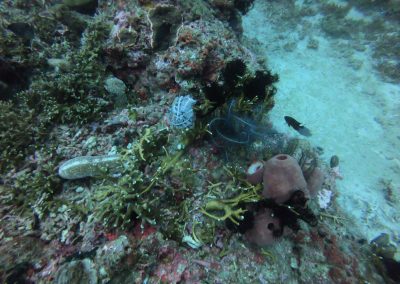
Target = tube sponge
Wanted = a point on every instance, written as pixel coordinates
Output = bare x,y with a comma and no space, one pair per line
315,182
282,177
265,230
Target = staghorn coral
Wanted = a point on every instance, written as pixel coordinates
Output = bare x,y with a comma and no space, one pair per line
228,205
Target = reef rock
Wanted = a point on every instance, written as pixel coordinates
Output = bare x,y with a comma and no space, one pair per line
77,271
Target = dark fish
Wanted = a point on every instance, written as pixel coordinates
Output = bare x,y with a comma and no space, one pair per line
297,126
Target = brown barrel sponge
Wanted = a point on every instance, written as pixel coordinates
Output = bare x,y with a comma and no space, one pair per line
266,229
282,177
315,182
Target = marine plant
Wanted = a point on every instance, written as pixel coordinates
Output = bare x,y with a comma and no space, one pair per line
143,192
74,92
16,134
33,191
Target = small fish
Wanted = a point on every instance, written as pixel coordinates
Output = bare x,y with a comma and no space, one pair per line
297,126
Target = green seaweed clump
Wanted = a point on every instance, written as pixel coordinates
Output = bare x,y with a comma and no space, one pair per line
16,135
119,201
154,186
129,196
72,91
34,191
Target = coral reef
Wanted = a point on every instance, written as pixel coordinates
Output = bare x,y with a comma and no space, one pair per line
96,187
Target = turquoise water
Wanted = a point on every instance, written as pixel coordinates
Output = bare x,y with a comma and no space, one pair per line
353,111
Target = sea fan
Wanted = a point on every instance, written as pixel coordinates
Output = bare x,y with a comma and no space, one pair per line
181,114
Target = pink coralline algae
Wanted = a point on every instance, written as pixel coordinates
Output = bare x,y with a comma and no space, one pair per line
173,266
121,22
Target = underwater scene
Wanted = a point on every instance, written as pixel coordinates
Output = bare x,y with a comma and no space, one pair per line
199,141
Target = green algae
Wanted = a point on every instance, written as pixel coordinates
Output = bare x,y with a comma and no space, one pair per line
73,93
16,135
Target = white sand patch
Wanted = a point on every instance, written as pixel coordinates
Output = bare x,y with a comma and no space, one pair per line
350,113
